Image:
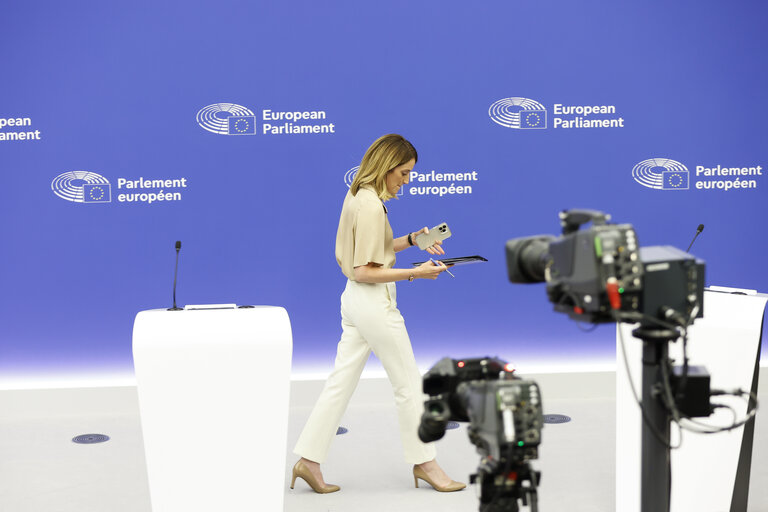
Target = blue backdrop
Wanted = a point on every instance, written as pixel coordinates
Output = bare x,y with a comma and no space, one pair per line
125,126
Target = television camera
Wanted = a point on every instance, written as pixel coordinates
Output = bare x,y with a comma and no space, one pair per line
505,420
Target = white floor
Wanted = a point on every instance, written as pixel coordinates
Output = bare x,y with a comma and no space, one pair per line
42,470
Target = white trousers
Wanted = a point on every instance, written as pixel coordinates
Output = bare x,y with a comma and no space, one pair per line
371,322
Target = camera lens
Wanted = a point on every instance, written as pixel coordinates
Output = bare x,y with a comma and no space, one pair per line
434,420
527,258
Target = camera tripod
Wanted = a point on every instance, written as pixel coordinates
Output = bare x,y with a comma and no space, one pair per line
655,466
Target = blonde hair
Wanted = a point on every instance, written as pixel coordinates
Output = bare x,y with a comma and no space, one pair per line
386,153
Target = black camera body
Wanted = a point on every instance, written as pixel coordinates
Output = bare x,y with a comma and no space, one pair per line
505,421
598,273
505,418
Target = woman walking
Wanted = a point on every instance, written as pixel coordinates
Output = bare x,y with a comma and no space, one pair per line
371,322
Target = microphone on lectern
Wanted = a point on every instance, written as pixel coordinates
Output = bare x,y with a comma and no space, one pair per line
698,232
175,271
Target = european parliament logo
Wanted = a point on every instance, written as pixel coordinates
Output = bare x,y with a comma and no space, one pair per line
227,119
661,174
82,187
349,177
519,113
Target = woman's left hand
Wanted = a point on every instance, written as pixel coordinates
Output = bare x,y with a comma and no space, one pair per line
434,248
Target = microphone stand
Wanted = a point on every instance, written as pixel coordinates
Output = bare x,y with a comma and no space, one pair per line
698,232
175,272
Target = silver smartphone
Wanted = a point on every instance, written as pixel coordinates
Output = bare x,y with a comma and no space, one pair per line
439,232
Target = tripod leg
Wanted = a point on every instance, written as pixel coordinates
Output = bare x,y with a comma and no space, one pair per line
534,499
655,471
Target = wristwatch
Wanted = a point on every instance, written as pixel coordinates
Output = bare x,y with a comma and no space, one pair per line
411,277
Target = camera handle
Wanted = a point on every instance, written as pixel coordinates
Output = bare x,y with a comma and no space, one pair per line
571,220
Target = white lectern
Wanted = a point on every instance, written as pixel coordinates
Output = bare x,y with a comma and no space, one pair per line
213,386
710,473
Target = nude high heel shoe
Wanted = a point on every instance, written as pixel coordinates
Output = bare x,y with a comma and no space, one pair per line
451,487
302,471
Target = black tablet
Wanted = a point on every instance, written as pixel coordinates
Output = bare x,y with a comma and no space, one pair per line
463,260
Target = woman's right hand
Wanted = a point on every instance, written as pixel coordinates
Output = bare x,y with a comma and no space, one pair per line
429,270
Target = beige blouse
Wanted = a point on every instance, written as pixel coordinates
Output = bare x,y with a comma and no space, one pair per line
364,235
